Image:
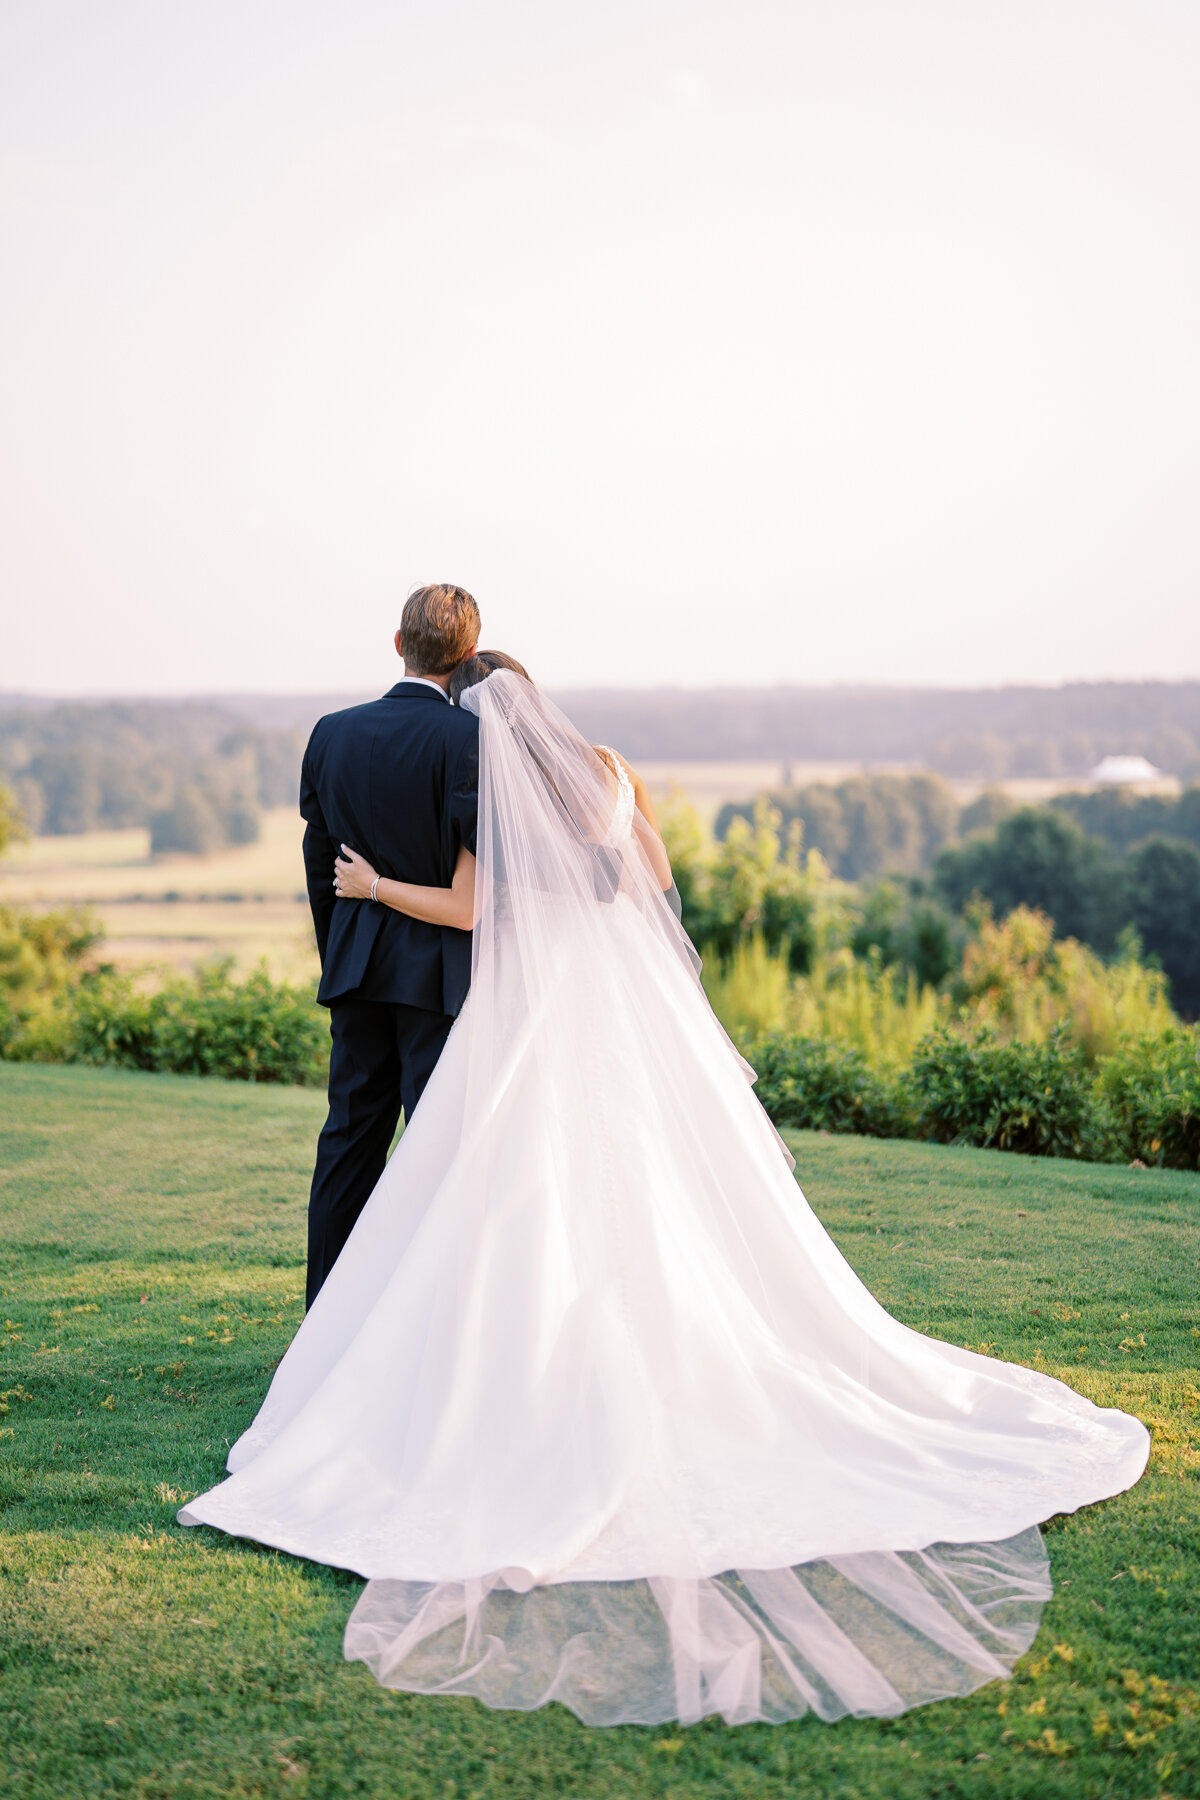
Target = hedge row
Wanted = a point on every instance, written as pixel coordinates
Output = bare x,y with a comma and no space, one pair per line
208,1024
1142,1104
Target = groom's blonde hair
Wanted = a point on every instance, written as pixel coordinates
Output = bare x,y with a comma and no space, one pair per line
438,627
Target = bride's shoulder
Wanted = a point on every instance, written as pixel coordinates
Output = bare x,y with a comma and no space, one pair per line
614,761
618,766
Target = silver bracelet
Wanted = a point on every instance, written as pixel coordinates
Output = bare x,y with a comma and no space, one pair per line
374,886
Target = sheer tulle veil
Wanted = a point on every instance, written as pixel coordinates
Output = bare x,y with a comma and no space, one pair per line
555,851
590,1396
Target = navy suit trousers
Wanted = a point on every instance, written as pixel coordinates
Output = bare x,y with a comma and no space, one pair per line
383,1054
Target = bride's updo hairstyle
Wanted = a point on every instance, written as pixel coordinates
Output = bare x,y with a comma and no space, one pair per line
477,668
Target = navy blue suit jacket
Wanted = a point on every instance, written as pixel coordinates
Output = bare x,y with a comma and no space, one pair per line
398,781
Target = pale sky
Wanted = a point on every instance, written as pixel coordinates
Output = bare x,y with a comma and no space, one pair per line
721,341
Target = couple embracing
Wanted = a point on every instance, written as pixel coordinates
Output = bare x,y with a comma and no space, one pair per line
584,1390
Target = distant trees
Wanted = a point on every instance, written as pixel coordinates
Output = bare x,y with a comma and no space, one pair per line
983,735
1038,859
191,822
866,825
70,789
76,768
908,929
871,825
1164,906
921,866
985,812
12,821
1123,818
242,821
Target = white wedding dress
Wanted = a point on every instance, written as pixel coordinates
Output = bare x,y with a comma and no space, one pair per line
591,1398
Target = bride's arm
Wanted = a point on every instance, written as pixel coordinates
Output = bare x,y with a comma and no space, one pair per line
454,905
650,839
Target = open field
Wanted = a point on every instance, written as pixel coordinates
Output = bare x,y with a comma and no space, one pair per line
150,1277
248,903
116,865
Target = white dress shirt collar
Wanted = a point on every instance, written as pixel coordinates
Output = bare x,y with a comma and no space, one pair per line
423,681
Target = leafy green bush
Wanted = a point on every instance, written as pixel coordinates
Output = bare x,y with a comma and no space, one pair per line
751,991
909,930
1022,982
753,884
1150,1090
254,1030
877,1010
1034,1098
858,1004
40,957
818,1085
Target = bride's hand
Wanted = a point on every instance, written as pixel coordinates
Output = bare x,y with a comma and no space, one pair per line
352,876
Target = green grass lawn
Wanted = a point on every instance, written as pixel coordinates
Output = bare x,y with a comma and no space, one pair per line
151,1270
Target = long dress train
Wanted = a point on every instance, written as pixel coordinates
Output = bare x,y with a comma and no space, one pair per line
591,1398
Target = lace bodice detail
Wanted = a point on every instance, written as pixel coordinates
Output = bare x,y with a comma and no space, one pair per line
620,826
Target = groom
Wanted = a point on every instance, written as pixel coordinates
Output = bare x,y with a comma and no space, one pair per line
396,780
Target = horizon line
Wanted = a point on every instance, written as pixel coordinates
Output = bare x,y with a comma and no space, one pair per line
196,696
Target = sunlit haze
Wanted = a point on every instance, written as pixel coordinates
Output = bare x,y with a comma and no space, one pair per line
743,342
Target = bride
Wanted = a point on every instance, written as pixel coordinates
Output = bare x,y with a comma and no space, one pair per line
598,1409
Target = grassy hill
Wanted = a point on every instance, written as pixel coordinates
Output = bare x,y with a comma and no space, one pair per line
151,1261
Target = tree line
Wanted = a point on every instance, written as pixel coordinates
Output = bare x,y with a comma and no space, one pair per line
1100,865
196,775
898,824
1092,891
979,734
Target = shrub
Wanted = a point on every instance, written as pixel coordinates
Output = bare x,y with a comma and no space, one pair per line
40,957
880,1012
254,1030
758,885
753,884
1103,1003
1020,982
1151,1093
909,930
750,991
815,1084
970,1088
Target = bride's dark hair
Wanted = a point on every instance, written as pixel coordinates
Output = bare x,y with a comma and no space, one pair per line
477,668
